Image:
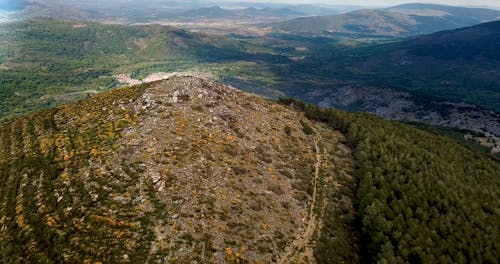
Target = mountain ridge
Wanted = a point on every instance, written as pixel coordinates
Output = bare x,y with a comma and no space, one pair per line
423,78
398,21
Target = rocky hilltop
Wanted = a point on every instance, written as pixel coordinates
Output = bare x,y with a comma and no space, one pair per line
183,170
187,170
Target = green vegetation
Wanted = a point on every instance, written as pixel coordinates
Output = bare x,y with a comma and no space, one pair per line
455,66
460,136
74,59
415,197
339,237
422,198
46,213
306,128
47,62
398,21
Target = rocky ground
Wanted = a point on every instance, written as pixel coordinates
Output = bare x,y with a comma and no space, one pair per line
183,170
222,176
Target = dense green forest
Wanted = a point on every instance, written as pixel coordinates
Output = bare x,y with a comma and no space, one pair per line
421,198
459,135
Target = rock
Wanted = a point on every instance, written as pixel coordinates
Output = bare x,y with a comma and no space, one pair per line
175,97
156,178
141,168
136,142
227,115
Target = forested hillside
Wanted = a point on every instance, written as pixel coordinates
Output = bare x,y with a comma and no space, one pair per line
398,21
109,175
422,79
73,59
422,198
41,202
456,65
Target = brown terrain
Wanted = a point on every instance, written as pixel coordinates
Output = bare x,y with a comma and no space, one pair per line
227,182
185,170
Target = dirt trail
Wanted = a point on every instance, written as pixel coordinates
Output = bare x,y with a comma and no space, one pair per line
301,248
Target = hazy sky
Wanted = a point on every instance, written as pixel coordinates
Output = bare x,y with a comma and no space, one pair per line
395,2
495,3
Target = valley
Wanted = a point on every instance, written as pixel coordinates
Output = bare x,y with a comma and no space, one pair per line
363,77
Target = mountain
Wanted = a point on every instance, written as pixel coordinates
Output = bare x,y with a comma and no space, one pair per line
393,80
191,170
454,13
446,78
209,12
184,169
216,12
404,20
75,58
280,12
315,9
58,10
152,12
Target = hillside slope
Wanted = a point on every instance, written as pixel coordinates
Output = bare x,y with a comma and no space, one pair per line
183,170
190,170
218,13
74,59
455,14
446,78
421,198
394,80
456,65
398,21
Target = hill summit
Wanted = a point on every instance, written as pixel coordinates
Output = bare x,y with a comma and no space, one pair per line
184,169
188,170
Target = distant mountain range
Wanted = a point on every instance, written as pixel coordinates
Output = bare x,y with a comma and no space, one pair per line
426,78
216,12
403,20
397,21
135,12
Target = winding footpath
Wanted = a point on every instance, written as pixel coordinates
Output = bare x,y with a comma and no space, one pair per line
301,248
